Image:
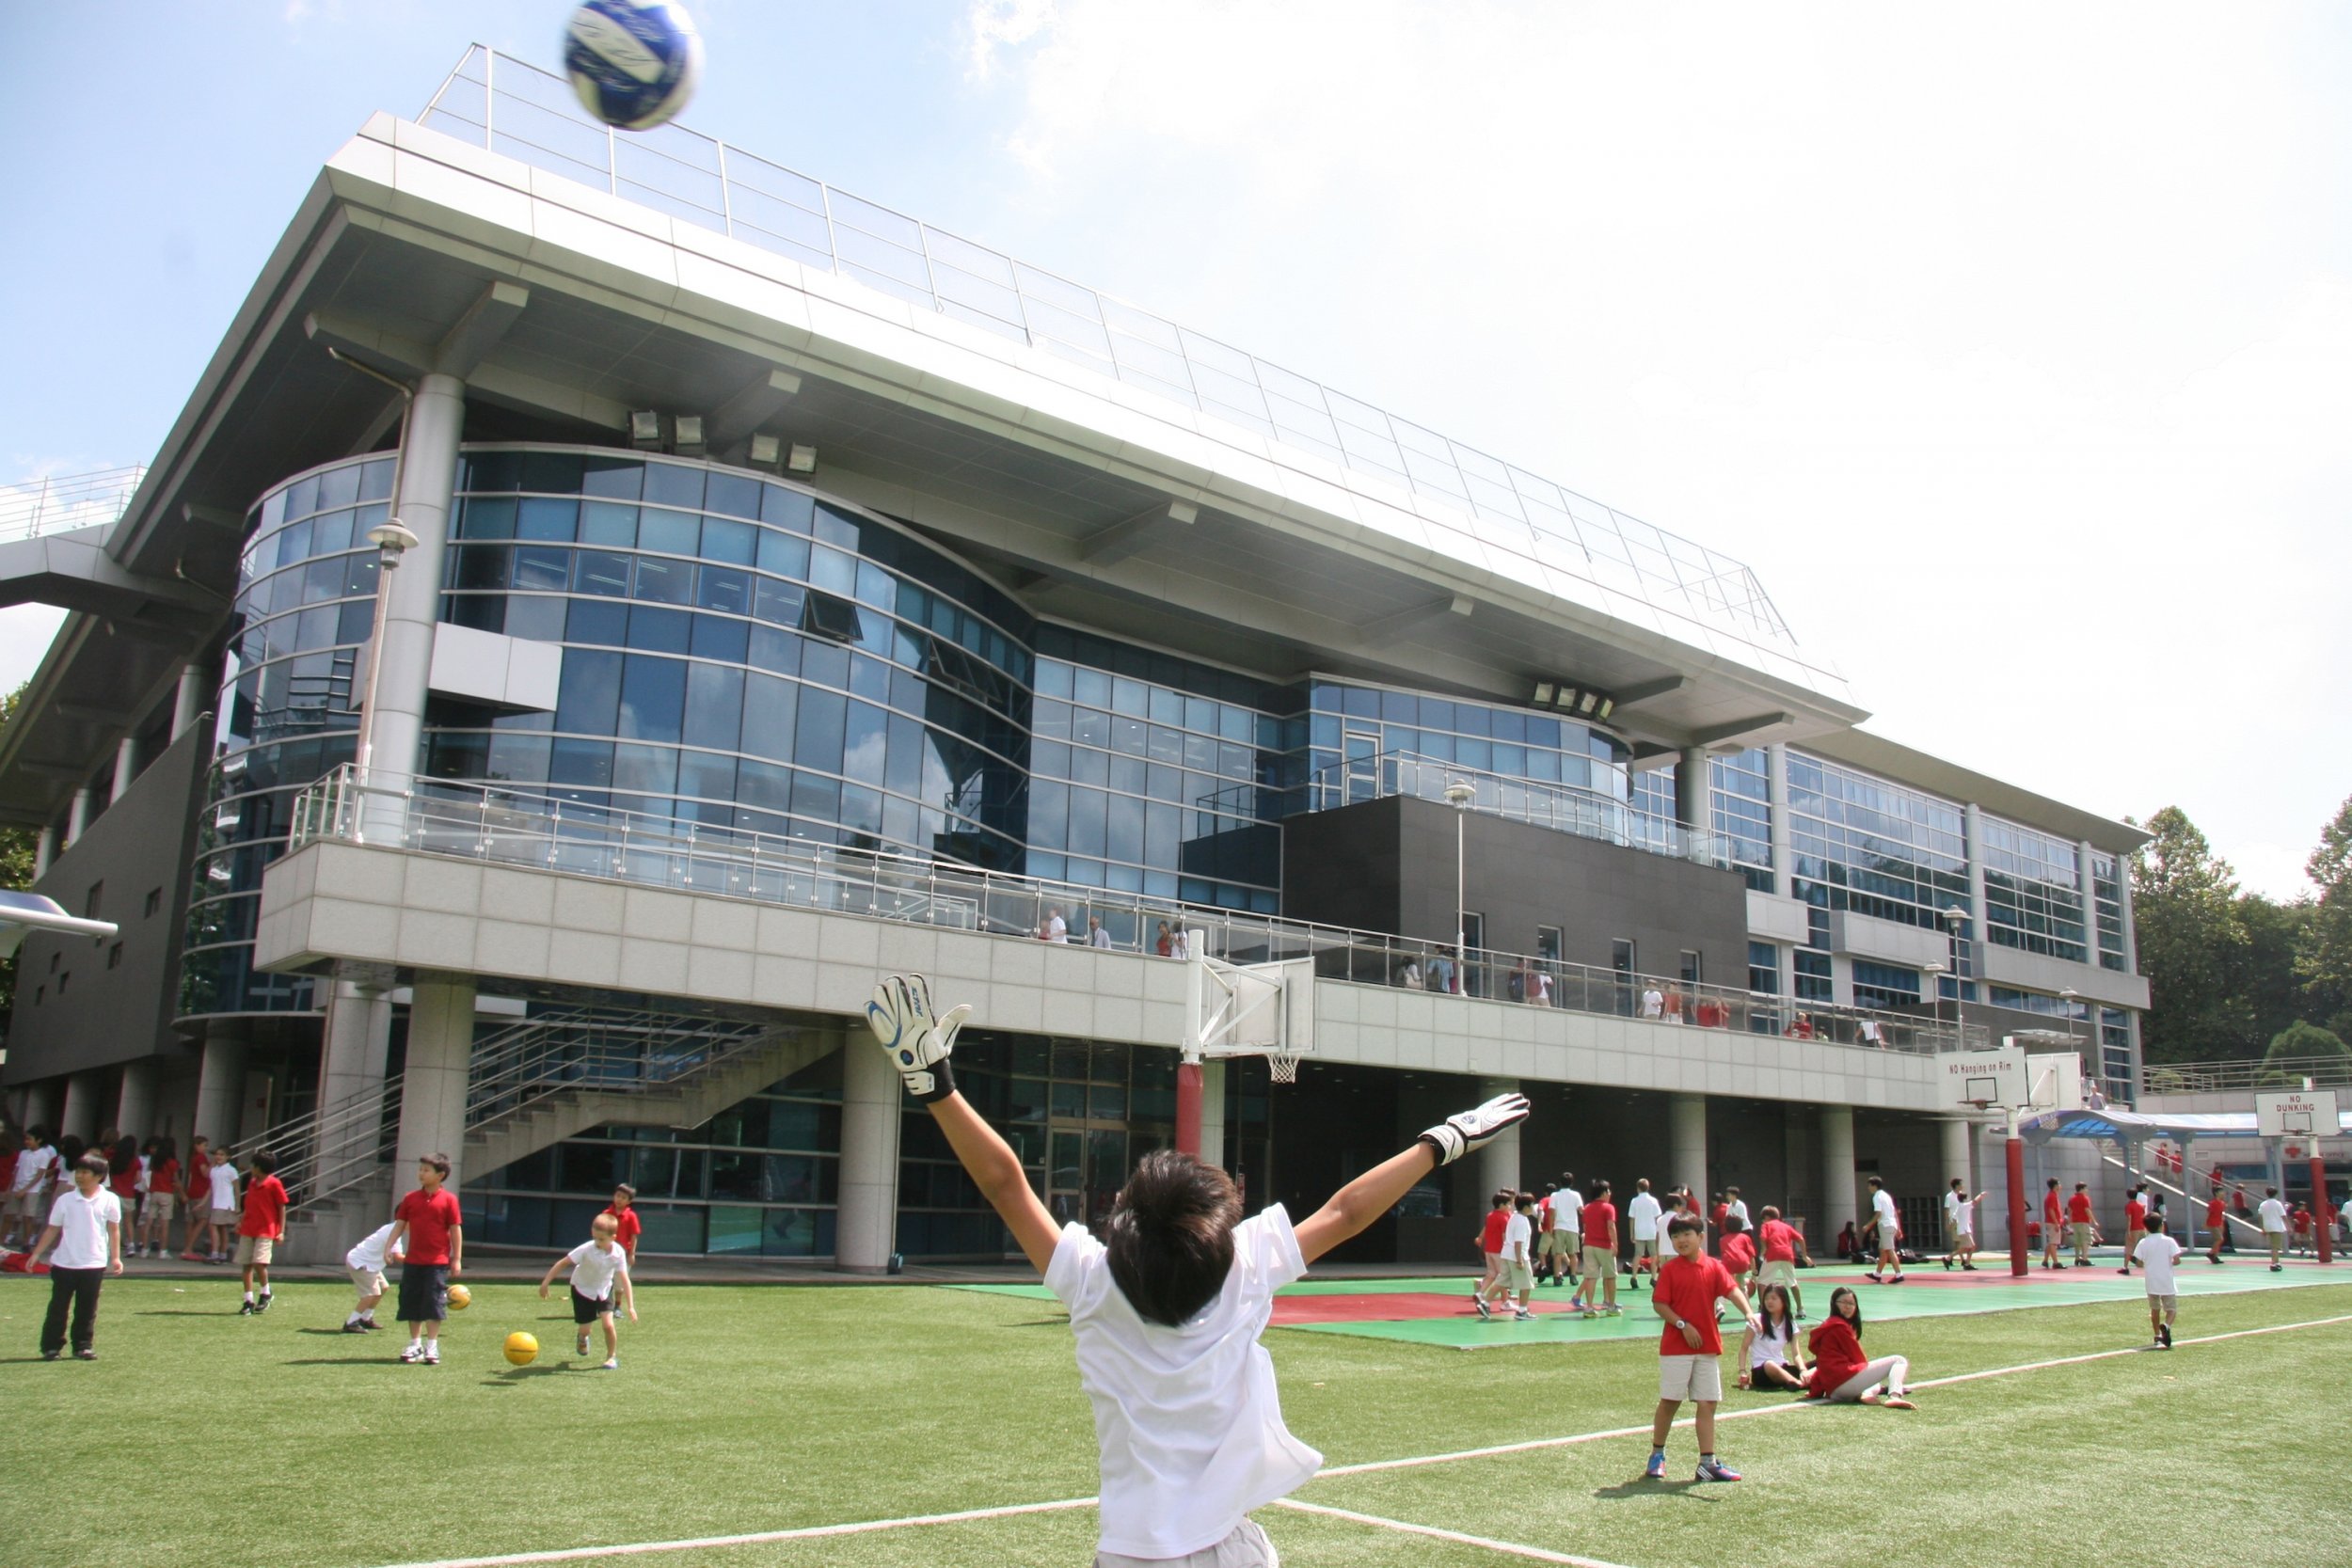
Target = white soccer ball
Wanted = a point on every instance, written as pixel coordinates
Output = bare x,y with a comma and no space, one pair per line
634,63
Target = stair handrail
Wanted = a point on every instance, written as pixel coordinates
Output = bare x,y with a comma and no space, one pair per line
333,1148
584,1048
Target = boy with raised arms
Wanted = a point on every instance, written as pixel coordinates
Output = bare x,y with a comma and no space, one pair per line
1167,1308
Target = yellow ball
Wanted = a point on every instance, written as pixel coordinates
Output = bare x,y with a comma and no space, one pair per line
522,1348
460,1298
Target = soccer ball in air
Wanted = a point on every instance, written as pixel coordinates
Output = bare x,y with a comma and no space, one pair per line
459,1298
634,63
522,1348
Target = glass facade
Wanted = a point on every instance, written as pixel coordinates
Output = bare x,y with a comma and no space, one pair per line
1350,724
1740,793
1882,985
2033,892
2107,889
1878,848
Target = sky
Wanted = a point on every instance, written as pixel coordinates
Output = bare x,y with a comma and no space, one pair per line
2010,345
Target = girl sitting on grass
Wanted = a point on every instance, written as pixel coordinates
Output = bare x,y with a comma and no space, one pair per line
1768,1356
1842,1373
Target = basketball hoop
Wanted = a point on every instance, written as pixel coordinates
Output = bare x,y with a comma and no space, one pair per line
1284,1065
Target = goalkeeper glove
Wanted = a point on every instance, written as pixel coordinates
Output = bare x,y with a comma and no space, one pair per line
919,1040
1467,1130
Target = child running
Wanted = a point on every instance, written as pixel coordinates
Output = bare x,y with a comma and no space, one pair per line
1960,1220
1782,1247
2156,1252
1601,1255
1738,1250
1691,1350
600,1280
1842,1373
1490,1234
1167,1306
1768,1353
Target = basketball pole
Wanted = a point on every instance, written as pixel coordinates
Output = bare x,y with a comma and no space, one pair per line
1189,1105
2321,1220
2018,1262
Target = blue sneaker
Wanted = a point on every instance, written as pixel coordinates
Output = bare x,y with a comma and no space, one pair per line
1657,1468
1711,1469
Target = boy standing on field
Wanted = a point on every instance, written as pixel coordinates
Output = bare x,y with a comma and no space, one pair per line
2217,1221
600,1280
2134,1216
1890,1235
1167,1306
1491,1248
2053,1217
1600,1254
623,1211
86,1228
2156,1252
1960,1220
1518,1275
428,1232
2082,1223
1642,1214
2273,1218
259,1227
1690,1352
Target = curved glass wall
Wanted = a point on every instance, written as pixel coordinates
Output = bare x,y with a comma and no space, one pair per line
305,606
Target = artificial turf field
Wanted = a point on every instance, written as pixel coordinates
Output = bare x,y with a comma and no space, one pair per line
277,1440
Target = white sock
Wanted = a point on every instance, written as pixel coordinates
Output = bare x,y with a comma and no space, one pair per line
248,1295
416,1341
353,1319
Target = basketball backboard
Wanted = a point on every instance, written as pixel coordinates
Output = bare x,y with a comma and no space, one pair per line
1978,1079
1250,1010
2301,1113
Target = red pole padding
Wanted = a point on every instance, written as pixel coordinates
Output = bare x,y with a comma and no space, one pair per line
2322,1216
2018,1261
1188,1109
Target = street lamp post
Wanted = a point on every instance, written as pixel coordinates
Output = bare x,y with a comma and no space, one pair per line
1934,972
1954,917
1460,793
391,538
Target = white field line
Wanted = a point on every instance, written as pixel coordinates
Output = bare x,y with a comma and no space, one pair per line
1514,1549
813,1532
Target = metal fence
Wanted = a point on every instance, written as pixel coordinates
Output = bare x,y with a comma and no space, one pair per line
2319,1073
54,503
540,832
513,108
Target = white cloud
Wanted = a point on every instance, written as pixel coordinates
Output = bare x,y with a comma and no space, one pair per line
2012,346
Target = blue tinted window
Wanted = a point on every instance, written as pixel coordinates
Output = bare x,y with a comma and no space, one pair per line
601,621
672,485
659,632
488,517
718,637
714,707
544,518
769,706
644,769
608,523
589,698
786,554
653,699
866,744
727,589
732,496
601,572
785,507
735,544
671,532
708,777
665,582
818,736
583,762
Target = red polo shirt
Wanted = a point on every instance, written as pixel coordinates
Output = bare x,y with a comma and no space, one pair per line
264,1207
2079,1209
1600,1226
431,1217
1780,1241
1691,1287
1490,1235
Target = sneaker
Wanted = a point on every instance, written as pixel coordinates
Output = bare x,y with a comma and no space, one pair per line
263,1305
1897,1280
1970,1267
1873,1277
611,1365
1715,1469
1613,1311
432,1355
1522,1315
2274,1268
412,1354
1484,1310
84,1355
2125,1268
2163,1335
355,1328
50,1354
369,1324
1948,1264
1655,1469
248,1310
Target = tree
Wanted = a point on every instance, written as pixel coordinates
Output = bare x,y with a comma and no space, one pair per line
2301,1041
16,862
2193,946
2324,960
2276,937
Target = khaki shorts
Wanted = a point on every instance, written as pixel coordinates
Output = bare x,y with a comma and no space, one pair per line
1600,1264
1645,1249
1247,1547
1517,1276
224,1216
1549,1244
1778,1271
2082,1237
367,1282
2166,1305
1690,1377
158,1207
255,1249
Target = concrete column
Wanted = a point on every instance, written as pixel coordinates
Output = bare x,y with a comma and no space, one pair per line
1693,807
428,475
220,1084
2084,850
357,1035
136,1111
1686,1140
78,815
83,1092
1498,1161
1955,1131
2131,933
44,851
39,1106
187,703
1212,1113
432,1084
1776,795
1839,1205
126,765
865,1225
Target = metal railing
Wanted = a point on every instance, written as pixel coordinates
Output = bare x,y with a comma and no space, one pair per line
588,1049
516,109
1567,808
53,505
2252,1073
505,826
333,1148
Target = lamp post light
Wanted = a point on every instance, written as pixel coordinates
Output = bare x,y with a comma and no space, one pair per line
1459,793
391,538
1955,917
1935,972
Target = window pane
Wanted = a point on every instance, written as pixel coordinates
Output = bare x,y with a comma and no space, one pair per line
653,699
818,736
866,744
714,707
589,698
769,713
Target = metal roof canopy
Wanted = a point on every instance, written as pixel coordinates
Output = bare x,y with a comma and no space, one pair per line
2116,1126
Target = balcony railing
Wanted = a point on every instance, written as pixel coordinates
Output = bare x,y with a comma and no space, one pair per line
53,504
2322,1073
539,832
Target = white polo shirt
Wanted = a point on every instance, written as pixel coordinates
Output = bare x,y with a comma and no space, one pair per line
32,1167
1188,1419
224,1179
593,1270
2156,1253
1889,1226
369,1254
1642,1214
1515,1235
2274,1215
1568,1210
81,1224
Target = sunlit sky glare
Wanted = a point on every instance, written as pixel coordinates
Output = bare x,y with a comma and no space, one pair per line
2010,345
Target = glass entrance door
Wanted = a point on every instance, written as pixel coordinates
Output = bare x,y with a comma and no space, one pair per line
1360,773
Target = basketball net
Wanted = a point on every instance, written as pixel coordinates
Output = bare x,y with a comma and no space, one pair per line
1284,1065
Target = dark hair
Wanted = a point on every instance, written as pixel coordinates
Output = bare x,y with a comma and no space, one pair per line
1682,1223
1600,1189
263,1162
2054,1182
1854,1321
163,1150
1733,1225
2155,1222
625,1187
1771,1212
123,1156
1763,1309
70,1148
91,1165
1170,1238
1527,1200
1503,1199
1875,1181
39,1134
438,1161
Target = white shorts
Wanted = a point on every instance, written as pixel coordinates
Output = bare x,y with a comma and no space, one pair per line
367,1282
1247,1547
1778,1271
1690,1377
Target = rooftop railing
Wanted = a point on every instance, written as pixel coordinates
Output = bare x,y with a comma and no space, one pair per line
511,107
538,831
2318,1073
54,503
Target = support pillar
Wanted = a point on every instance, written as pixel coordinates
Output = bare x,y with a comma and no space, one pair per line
865,1224
187,703
1212,1114
432,1084
2191,1204
428,474
355,1039
78,815
126,765
1691,779
44,851
83,1090
1841,1208
134,1113
1686,1142
40,1107
1776,796
2322,1215
1498,1161
1954,1131
220,1084
1188,1095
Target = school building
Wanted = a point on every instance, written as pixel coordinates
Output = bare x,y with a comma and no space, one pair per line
609,599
